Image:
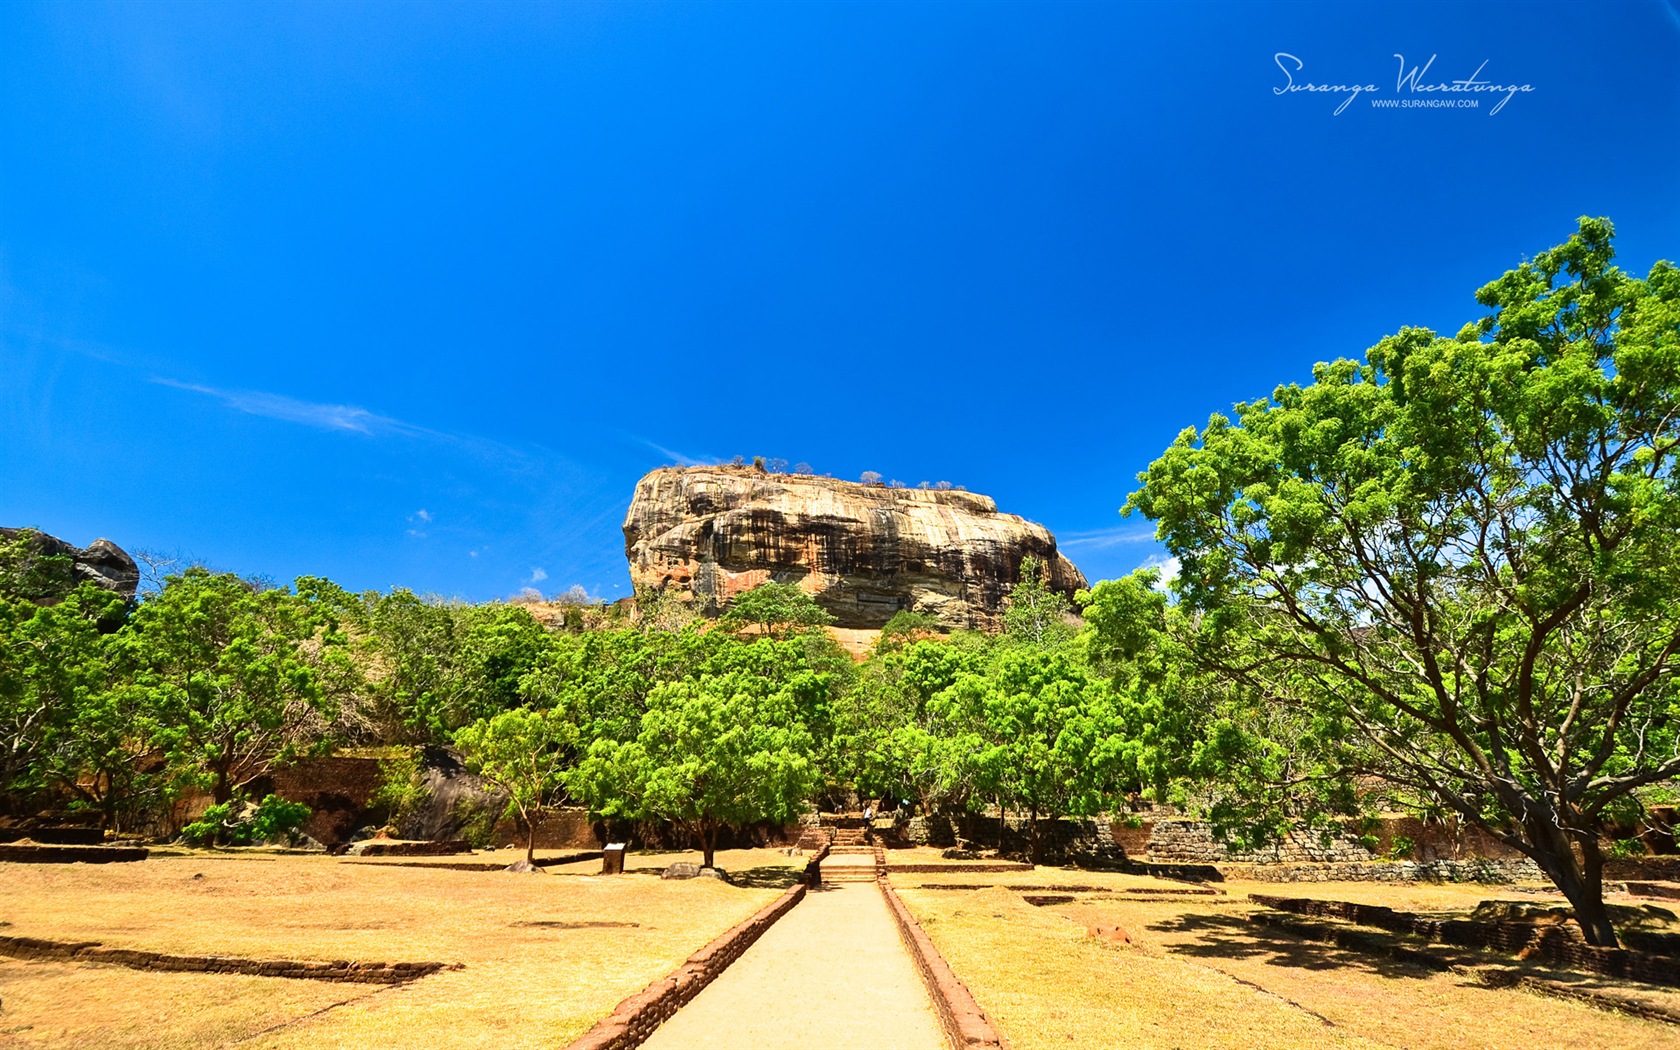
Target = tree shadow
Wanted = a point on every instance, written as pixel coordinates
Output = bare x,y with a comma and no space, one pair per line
768,877
1234,937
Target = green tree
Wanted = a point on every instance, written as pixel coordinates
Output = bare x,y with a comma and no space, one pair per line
887,741
904,628
1035,613
227,671
1161,693
435,666
410,648
1452,563
778,610
1050,735
524,753
28,572
713,752
55,666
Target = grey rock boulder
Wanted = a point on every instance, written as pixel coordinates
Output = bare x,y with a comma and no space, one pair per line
62,566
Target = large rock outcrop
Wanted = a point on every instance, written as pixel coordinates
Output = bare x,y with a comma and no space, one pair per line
54,568
864,552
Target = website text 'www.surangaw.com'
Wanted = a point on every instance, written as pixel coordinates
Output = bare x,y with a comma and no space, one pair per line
1424,103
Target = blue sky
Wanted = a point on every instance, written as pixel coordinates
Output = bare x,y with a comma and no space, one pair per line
411,295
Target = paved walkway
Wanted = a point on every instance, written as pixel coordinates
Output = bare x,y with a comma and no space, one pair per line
831,974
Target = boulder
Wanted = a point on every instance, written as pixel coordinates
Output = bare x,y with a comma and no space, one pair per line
863,552
682,869
454,798
60,566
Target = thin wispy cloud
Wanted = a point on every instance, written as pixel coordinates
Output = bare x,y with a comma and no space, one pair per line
538,575
352,419
681,459
309,413
1101,539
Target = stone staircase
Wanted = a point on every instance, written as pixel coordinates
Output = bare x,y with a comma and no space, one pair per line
850,857
813,837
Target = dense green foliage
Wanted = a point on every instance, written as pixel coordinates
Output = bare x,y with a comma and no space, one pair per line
1449,567
213,681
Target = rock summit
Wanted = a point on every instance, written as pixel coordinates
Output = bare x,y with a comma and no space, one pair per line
863,551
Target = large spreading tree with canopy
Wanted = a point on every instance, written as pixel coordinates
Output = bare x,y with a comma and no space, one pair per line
1455,561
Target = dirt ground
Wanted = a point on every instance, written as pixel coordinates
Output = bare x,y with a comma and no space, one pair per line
1197,974
545,955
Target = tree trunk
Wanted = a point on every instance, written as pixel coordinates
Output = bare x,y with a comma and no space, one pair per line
1581,879
708,844
1032,835
530,838
221,792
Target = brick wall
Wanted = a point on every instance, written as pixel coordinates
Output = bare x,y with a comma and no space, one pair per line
1060,839
1488,871
336,790
92,951
70,854
1174,841
965,1024
634,1019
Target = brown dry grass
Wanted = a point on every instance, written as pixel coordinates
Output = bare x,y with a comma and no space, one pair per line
64,1004
523,985
1198,974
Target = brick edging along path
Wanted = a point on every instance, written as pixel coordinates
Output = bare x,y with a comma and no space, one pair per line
342,971
965,1024
634,1019
53,854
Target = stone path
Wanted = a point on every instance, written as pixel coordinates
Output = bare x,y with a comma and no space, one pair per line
831,973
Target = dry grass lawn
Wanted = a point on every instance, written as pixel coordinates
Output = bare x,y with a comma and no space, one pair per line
1198,975
535,974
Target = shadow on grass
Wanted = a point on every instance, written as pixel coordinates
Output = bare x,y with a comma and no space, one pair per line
769,877
1233,937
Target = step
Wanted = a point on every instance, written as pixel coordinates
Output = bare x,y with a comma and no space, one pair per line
849,875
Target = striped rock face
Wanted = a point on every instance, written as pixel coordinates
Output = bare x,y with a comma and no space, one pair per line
864,552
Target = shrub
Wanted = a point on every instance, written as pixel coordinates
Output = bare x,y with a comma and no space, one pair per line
272,819
211,826
1624,848
401,789
276,818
